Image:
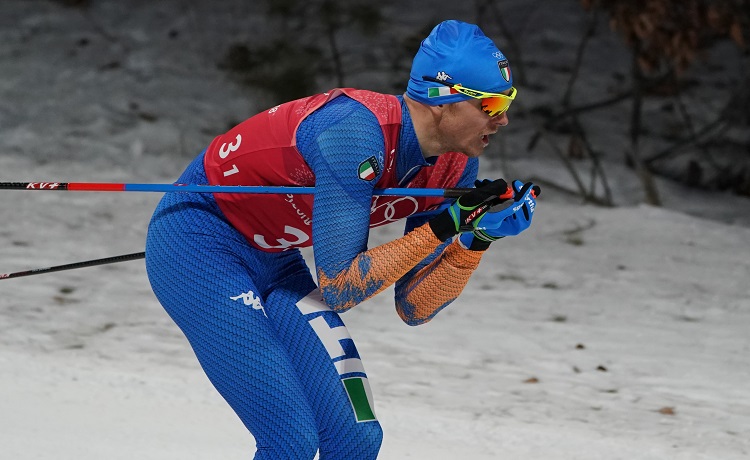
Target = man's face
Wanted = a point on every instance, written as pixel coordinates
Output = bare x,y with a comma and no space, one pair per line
465,128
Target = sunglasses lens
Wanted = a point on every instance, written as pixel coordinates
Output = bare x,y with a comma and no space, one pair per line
493,106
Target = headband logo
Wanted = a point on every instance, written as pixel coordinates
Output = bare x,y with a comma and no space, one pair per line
504,69
442,90
442,76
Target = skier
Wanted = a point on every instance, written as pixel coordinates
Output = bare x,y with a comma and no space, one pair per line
228,270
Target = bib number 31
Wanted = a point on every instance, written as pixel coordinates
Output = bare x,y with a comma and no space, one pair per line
227,148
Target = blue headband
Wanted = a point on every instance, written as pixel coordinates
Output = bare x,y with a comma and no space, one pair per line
457,52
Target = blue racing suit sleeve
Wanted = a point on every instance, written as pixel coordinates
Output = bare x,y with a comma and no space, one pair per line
335,140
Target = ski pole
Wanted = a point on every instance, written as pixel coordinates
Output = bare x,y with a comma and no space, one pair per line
88,263
123,187
259,189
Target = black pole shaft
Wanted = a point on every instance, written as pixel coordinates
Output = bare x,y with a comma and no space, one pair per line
87,263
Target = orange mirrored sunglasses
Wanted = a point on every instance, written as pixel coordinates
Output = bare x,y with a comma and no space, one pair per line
493,104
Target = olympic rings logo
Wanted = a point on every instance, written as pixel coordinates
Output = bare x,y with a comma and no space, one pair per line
392,210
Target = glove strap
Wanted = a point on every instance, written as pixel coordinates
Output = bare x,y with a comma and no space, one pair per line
484,236
470,241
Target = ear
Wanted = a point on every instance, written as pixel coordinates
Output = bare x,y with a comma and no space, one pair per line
437,111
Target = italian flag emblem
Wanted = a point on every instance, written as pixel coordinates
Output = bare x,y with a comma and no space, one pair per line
504,69
369,169
441,91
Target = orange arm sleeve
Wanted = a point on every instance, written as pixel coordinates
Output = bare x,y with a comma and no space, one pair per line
437,284
374,270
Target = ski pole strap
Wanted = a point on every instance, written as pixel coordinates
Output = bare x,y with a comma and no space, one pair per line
260,189
88,263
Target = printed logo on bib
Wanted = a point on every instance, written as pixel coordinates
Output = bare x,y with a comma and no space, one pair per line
385,210
369,169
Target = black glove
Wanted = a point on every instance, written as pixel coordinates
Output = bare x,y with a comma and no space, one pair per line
462,215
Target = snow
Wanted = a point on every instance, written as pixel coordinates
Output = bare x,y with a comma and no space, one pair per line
599,333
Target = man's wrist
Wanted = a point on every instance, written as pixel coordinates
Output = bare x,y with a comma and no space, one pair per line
443,226
469,241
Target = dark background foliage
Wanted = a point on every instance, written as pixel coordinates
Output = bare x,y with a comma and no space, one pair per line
674,72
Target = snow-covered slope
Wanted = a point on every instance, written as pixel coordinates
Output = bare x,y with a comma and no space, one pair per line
599,333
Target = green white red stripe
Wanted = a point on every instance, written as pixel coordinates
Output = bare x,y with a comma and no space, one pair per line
369,169
505,72
440,91
366,172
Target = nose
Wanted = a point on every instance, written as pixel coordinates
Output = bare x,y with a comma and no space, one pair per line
500,120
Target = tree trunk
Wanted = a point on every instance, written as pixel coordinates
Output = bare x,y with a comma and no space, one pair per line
644,174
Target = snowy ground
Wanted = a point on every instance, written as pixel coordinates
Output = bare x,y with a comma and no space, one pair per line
600,333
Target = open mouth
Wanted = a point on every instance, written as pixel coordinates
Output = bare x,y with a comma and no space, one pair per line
485,139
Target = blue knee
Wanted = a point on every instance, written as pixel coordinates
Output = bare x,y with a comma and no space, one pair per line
369,439
363,443
301,443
